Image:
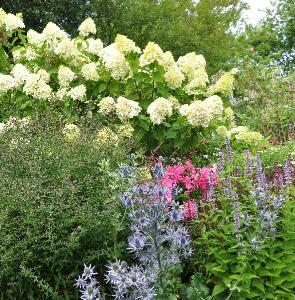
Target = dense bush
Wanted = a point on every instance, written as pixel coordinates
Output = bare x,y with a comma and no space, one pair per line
265,100
171,104
59,208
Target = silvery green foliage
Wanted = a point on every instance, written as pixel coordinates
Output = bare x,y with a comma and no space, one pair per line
88,285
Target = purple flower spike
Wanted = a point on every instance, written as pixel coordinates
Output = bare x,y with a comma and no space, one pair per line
248,163
229,154
288,172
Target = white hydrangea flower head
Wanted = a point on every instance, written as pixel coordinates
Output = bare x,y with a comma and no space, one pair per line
52,32
167,60
20,73
78,92
71,132
94,46
87,27
197,85
239,129
198,114
2,16
184,109
223,132
13,22
30,54
115,62
67,49
35,38
223,85
61,94
214,106
106,105
7,83
44,75
151,53
18,54
159,110
125,45
65,76
89,72
174,77
190,63
127,109
36,87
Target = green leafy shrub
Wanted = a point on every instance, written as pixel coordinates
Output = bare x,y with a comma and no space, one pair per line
265,101
59,208
170,104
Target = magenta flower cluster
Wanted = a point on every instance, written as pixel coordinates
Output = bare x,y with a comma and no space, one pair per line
189,180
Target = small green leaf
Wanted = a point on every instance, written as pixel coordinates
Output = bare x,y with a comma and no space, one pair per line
102,87
140,76
258,283
219,288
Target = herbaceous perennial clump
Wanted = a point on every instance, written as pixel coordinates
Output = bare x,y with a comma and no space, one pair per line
159,239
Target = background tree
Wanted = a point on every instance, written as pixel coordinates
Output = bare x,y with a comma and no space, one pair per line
273,40
68,14
182,26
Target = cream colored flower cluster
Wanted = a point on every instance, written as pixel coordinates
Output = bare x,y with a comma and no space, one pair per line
224,84
159,110
124,108
151,53
241,133
89,72
7,83
94,46
20,74
106,105
105,137
127,109
194,67
201,113
37,87
125,45
87,27
71,132
78,92
125,131
65,76
10,22
115,61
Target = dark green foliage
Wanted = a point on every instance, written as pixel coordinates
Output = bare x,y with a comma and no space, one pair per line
59,208
68,14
